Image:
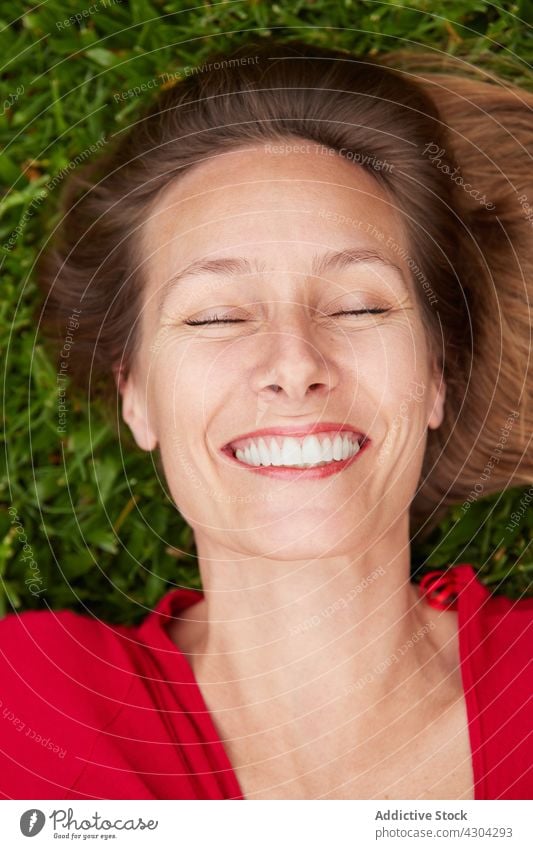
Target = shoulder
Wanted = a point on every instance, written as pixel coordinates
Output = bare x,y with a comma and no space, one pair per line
63,676
515,612
503,628
62,646
495,640
497,670
496,630
491,626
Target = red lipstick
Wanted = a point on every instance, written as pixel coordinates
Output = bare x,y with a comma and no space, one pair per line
290,472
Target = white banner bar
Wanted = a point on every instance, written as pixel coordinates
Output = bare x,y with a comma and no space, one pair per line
272,824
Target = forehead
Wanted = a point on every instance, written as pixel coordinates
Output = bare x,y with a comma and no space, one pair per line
269,200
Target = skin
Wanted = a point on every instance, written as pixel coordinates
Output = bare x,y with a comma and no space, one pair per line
275,555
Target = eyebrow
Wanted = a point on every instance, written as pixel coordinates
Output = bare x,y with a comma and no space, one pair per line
321,263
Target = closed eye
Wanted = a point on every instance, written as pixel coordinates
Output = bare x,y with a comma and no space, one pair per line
371,311
217,320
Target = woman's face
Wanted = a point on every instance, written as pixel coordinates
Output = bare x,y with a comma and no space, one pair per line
305,234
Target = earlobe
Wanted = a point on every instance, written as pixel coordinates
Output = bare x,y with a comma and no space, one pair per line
437,413
135,412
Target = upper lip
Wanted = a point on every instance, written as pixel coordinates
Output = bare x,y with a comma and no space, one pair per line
297,430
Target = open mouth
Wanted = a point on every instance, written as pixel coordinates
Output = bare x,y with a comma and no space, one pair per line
312,451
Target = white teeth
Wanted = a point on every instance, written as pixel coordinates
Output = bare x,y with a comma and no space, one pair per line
275,453
337,447
250,455
254,453
291,454
327,450
264,453
312,451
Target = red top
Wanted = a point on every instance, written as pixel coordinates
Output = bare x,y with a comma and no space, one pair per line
96,711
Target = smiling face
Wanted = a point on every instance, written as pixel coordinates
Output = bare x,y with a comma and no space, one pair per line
302,257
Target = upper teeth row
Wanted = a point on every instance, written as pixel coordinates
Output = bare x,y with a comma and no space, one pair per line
290,451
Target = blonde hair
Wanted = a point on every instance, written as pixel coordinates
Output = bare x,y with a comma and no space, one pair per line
486,445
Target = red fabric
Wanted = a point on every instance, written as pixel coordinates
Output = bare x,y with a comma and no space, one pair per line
94,711
495,645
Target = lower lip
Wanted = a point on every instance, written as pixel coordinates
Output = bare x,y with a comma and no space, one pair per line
285,472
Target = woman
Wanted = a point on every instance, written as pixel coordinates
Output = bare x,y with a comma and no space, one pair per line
321,330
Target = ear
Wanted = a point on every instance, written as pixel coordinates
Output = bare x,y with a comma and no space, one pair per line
135,409
439,392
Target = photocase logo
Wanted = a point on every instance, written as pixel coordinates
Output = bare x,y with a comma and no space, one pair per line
31,822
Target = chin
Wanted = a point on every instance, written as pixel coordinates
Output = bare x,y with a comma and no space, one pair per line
295,538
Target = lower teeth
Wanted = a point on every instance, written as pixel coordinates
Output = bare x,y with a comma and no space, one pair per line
308,465
299,466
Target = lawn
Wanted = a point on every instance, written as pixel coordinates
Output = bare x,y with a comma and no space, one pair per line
85,521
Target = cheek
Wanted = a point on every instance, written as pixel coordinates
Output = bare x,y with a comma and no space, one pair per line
393,387
387,361
401,406
186,381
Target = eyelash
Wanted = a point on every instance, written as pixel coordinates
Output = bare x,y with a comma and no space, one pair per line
217,320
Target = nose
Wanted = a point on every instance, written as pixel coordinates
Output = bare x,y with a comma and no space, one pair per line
294,368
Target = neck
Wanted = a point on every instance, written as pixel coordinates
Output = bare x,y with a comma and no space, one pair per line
291,634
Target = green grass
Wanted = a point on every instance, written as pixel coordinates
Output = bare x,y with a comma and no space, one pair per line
99,528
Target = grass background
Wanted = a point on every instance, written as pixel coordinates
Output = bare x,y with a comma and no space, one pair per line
100,531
